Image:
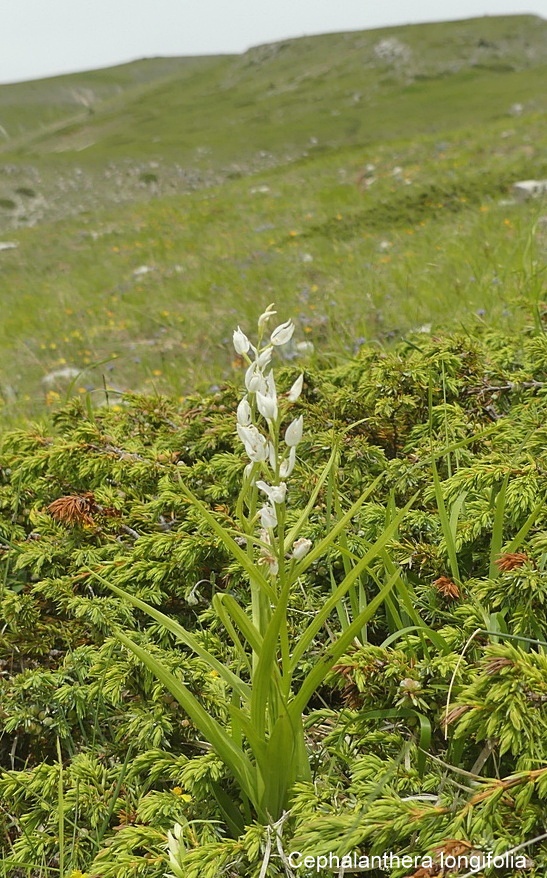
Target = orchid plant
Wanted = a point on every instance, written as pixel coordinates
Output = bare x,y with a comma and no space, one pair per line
264,747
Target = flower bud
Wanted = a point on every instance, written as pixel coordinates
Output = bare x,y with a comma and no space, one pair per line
241,342
244,413
283,333
264,357
301,548
265,316
296,389
293,433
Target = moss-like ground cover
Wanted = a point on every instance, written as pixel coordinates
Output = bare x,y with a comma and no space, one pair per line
416,739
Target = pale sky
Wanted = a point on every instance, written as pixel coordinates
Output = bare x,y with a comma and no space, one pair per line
45,37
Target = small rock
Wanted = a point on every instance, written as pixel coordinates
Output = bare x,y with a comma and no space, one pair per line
526,189
142,269
8,245
60,375
306,257
259,190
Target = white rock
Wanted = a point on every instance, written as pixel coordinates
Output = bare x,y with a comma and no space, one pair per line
525,189
8,245
60,375
142,269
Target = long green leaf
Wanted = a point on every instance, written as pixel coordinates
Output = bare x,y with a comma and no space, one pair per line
229,543
445,524
497,530
233,757
228,624
321,617
266,675
241,619
180,633
319,671
337,529
295,530
61,812
516,543
434,636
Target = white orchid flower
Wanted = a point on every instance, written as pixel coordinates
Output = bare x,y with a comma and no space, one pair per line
283,333
275,493
268,517
264,357
244,413
286,466
296,389
293,433
267,406
241,342
254,379
256,445
301,548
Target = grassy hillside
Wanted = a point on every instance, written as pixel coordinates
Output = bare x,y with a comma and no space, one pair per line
336,89
363,178
43,104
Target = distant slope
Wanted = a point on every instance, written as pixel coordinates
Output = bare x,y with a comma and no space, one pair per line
164,126
29,106
336,89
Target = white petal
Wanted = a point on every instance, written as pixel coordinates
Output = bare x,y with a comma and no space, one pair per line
301,548
287,466
294,431
296,389
268,517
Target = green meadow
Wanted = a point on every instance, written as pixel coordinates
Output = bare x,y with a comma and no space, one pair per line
367,195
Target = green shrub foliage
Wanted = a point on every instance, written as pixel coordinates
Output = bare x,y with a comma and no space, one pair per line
432,729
